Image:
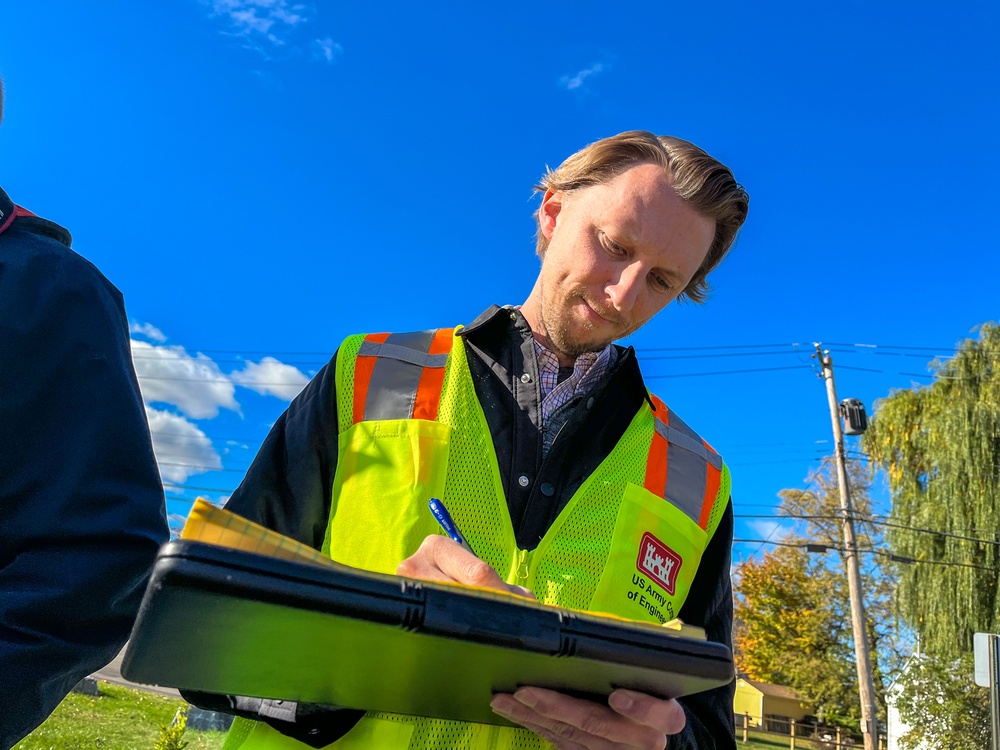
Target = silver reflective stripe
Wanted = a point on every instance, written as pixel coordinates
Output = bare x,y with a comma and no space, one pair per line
687,474
393,351
675,436
399,365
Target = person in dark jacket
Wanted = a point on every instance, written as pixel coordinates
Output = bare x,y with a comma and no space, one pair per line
81,503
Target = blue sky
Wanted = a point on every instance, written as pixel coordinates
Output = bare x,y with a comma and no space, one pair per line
262,178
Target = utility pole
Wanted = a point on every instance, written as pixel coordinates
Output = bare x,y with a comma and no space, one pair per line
862,652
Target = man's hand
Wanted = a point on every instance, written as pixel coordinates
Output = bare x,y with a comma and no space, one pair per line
630,719
442,559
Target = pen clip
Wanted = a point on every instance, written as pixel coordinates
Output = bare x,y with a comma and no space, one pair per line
447,523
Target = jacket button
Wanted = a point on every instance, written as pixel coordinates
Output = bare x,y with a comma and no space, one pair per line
526,378
547,489
523,480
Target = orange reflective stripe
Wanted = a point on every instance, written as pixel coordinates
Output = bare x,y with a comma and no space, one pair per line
425,404
712,482
656,462
656,466
443,339
363,367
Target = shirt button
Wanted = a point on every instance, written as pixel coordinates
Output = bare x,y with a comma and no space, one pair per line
590,402
526,378
523,480
547,489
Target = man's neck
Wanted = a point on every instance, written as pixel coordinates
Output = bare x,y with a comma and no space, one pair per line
534,321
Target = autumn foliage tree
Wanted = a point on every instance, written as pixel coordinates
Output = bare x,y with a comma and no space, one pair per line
792,605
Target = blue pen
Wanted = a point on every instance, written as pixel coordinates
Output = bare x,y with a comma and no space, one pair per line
447,523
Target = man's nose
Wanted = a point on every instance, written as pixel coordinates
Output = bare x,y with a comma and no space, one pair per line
623,290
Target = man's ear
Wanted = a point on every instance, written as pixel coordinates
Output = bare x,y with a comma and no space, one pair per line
548,213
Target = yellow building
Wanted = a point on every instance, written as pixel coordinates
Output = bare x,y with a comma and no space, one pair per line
759,699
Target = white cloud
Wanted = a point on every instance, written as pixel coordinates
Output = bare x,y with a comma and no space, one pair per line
326,49
148,330
271,378
181,448
195,385
772,531
576,80
270,21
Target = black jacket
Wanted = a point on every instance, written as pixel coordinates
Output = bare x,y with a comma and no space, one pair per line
289,483
81,504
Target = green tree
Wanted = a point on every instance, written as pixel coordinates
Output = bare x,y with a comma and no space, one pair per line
942,707
940,448
793,610
820,506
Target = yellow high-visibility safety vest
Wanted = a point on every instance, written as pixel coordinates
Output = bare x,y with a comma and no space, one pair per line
628,542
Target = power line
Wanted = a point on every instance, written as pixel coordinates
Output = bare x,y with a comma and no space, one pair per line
217,380
881,553
196,466
723,372
715,356
792,345
182,436
202,489
867,519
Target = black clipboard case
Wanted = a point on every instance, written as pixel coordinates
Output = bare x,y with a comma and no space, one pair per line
226,621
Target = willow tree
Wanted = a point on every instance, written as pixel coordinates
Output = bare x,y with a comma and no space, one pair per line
940,448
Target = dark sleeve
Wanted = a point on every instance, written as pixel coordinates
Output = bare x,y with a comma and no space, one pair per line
81,504
288,486
710,605
288,489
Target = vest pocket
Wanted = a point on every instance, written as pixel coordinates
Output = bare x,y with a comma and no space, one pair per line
655,552
386,473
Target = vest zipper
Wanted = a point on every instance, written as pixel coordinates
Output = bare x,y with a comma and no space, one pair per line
522,567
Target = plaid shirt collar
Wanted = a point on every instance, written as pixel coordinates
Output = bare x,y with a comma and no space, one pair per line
588,370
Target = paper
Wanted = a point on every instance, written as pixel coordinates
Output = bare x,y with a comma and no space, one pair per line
211,525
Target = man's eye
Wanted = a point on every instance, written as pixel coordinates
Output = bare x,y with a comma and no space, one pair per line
613,247
660,282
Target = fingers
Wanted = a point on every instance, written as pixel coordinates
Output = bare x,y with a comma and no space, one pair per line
442,559
521,591
665,716
571,723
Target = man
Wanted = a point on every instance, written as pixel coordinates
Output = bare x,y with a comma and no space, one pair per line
81,504
542,440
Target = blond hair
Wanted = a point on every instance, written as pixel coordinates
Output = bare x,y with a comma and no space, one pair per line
706,184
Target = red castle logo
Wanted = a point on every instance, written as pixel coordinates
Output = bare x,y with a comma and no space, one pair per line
659,562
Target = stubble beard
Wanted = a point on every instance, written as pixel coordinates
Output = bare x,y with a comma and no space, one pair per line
562,331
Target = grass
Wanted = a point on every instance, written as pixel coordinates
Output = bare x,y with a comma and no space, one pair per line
120,718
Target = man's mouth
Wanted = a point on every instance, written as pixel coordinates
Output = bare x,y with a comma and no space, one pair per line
609,315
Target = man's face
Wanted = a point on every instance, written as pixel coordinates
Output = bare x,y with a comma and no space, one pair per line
618,253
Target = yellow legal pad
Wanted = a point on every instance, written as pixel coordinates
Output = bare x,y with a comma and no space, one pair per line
211,525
